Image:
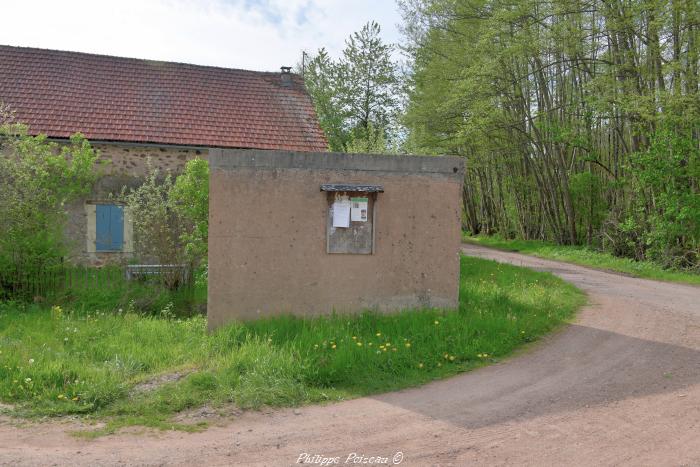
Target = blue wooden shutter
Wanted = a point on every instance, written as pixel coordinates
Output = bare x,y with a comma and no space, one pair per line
109,227
116,227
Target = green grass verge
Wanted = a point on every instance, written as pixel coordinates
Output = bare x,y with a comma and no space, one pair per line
58,362
586,257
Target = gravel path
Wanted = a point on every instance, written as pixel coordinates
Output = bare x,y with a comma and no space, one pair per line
620,386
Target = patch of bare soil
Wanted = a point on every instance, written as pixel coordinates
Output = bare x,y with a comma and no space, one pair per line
208,414
6,407
158,381
619,386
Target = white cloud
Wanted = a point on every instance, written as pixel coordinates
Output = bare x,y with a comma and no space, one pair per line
251,34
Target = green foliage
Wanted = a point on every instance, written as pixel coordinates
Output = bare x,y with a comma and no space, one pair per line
108,290
37,179
321,80
171,217
190,199
670,170
357,96
158,227
587,190
369,140
55,362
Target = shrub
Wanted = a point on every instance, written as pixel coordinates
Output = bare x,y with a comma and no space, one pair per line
37,179
158,227
189,197
171,218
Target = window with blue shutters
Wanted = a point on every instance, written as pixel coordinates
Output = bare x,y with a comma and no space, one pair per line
109,227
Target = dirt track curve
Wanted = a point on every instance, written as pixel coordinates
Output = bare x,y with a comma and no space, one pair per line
620,386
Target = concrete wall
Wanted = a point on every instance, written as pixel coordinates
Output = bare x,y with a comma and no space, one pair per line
267,234
124,165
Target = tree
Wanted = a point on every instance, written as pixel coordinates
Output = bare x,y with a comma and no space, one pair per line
368,83
357,96
321,79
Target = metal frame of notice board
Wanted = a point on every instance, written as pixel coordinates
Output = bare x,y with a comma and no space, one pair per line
357,238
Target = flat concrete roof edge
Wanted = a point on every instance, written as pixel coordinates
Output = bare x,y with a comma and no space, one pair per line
262,159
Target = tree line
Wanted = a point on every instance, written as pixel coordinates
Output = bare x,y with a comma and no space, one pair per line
579,119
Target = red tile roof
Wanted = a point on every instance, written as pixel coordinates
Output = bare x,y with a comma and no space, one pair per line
142,101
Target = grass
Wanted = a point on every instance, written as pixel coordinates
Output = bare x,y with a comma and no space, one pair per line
114,292
586,257
57,362
107,289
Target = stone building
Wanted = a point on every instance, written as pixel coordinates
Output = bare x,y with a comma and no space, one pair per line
133,110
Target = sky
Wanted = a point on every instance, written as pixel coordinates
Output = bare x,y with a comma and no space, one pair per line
250,34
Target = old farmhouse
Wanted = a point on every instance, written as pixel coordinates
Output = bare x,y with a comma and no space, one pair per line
133,110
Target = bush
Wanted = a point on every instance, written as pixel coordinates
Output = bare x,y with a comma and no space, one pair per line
171,218
670,172
37,179
189,197
158,227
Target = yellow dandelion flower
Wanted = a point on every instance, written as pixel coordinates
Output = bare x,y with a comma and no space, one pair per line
333,346
408,344
354,338
452,358
379,334
359,344
388,344
370,344
420,365
437,322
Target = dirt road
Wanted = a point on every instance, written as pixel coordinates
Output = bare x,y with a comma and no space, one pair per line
620,386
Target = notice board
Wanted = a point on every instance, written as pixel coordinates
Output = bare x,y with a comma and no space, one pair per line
351,218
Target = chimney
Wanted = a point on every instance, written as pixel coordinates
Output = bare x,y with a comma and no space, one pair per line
286,75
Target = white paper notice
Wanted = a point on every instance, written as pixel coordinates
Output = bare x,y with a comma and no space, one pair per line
341,213
359,210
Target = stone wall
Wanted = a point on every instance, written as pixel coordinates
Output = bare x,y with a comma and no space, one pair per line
268,251
130,160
